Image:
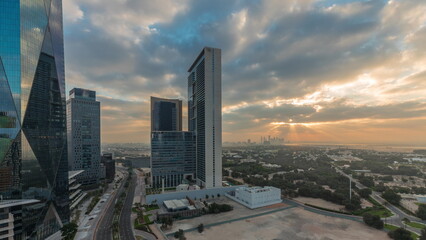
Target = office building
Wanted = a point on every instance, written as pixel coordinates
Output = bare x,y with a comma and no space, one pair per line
84,135
172,151
172,158
11,218
166,114
205,115
255,197
109,163
33,152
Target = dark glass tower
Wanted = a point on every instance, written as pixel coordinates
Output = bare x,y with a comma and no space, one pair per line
166,114
172,150
33,152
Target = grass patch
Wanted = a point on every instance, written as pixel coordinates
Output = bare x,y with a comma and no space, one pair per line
93,203
375,211
151,207
415,225
146,219
390,227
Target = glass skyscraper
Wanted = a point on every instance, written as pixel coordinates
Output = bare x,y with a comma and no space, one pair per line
172,151
166,114
205,115
84,135
33,143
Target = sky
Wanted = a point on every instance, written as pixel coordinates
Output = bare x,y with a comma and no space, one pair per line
308,71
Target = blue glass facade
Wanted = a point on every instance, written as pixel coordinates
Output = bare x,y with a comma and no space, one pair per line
172,157
33,153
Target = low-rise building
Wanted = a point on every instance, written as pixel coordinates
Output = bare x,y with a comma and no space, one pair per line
11,218
75,192
255,197
187,187
109,163
176,205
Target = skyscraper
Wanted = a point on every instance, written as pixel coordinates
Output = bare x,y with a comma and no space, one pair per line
33,152
166,114
84,135
205,115
172,150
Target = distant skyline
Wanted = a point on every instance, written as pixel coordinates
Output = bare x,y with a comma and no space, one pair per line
306,71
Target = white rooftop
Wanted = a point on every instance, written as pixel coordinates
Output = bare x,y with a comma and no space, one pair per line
176,204
72,174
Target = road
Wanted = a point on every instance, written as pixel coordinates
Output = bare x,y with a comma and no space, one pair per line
398,216
126,229
104,229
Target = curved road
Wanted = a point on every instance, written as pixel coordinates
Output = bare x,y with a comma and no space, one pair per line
126,229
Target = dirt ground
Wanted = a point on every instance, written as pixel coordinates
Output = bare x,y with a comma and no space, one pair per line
293,224
320,203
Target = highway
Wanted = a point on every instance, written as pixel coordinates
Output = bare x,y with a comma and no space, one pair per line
104,229
126,229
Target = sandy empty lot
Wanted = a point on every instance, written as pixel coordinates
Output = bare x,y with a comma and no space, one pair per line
293,224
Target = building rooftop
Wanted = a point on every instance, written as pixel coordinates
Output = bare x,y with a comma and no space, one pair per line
176,204
257,189
16,202
72,174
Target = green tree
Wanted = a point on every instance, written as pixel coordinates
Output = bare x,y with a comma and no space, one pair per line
400,234
373,221
179,235
200,228
392,197
423,236
69,230
365,192
421,212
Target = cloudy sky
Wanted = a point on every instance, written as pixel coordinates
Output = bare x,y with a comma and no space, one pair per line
308,71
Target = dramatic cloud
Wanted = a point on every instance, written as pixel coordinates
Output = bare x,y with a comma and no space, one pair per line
323,71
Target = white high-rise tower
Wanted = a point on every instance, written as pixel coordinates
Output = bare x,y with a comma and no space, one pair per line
205,115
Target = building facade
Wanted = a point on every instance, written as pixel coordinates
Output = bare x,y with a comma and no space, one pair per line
84,134
109,163
166,114
255,197
172,158
205,115
33,152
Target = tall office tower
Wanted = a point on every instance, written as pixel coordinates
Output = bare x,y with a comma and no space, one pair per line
205,115
108,161
172,151
33,152
84,135
166,114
